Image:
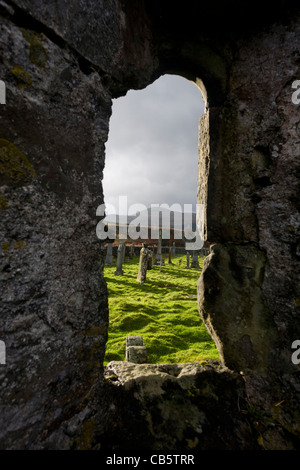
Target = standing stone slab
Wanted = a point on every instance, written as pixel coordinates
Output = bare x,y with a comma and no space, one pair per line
131,251
174,250
134,341
187,260
170,255
158,258
145,254
135,351
150,259
195,261
119,271
136,354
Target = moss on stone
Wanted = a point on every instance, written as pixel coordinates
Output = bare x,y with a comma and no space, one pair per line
22,77
5,246
20,244
3,203
37,53
96,330
83,442
94,356
15,168
192,443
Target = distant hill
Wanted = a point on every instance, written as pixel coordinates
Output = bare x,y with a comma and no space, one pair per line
156,217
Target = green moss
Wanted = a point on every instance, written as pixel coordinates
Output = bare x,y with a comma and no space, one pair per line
192,443
3,203
37,53
96,330
22,77
20,244
15,168
5,246
84,440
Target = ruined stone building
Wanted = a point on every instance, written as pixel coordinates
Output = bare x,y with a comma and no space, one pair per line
62,63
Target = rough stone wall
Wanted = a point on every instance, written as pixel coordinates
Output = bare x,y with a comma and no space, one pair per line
254,215
62,62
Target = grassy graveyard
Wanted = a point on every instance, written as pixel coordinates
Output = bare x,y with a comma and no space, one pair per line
163,311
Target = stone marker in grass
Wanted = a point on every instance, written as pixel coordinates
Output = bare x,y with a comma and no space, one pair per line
187,260
135,351
159,261
195,261
143,264
174,250
119,270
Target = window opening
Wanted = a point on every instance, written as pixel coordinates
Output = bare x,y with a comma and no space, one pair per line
150,180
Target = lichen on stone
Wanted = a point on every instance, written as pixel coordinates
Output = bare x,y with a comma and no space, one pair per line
96,330
37,53
15,168
5,246
20,244
22,77
3,203
83,442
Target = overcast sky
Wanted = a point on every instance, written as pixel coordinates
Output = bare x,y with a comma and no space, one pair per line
151,152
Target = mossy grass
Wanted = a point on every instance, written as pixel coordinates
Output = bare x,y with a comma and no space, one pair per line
163,311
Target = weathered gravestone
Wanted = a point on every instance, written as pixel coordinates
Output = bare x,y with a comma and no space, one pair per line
131,251
119,270
135,350
158,258
174,250
195,262
187,260
170,255
150,259
145,256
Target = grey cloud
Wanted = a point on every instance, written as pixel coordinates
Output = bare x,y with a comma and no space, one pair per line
151,153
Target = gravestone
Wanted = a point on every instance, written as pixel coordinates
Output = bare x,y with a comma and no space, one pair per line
170,255
119,270
174,250
187,260
145,255
158,258
109,257
134,341
135,350
150,259
195,262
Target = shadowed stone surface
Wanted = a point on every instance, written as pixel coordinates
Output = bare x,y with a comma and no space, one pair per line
179,403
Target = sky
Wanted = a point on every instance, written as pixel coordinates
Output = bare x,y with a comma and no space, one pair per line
151,152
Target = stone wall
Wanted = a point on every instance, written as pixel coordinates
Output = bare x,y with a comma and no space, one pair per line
62,63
